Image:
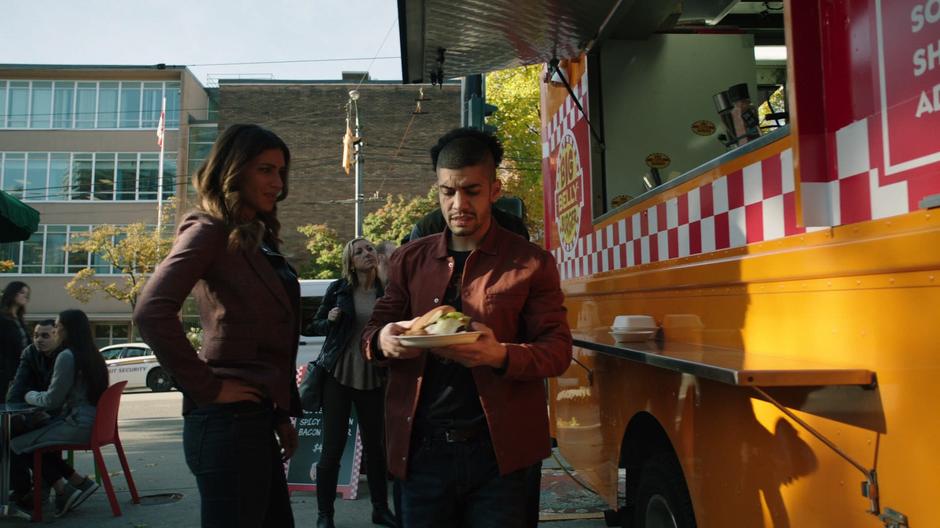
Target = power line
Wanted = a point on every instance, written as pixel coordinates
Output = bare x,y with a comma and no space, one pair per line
382,45
297,61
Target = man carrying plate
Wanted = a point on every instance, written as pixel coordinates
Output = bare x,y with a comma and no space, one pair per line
465,421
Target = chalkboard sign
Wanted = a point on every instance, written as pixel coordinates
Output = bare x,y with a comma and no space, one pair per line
302,467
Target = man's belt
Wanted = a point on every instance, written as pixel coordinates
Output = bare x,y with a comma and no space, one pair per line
462,435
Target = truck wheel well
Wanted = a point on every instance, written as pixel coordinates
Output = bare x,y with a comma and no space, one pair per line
643,439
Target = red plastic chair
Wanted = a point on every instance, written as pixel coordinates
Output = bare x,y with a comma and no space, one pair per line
103,432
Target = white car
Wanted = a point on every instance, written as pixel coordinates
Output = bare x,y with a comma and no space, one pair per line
136,364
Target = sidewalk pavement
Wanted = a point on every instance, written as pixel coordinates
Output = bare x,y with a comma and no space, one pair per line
169,497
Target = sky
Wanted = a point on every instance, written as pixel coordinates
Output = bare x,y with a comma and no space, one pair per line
207,34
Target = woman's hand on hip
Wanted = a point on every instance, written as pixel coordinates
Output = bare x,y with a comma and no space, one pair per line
287,437
235,391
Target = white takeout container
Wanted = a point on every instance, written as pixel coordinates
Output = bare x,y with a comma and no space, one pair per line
633,336
628,323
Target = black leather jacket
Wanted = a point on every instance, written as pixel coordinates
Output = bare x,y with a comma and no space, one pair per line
33,373
338,333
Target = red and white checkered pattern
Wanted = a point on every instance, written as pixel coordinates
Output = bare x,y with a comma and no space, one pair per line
856,195
566,116
755,204
351,492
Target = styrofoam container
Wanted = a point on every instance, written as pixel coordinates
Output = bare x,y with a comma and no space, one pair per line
633,322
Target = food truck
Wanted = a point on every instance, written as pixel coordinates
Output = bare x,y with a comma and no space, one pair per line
773,219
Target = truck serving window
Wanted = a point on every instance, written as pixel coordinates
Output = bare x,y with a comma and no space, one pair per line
677,99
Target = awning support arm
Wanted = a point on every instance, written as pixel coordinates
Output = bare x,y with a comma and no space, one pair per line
553,69
590,373
869,486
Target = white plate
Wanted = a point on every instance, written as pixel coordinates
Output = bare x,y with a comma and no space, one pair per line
432,341
633,336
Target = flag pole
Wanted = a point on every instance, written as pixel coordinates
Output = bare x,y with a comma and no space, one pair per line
354,98
161,132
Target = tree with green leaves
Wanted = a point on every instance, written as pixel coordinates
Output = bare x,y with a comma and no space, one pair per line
394,220
515,92
326,252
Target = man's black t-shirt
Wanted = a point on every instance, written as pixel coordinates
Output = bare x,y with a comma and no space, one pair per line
449,397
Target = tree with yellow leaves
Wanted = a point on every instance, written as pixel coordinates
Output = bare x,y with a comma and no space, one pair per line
515,92
133,250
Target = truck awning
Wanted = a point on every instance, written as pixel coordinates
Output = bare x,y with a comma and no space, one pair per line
476,36
734,367
17,220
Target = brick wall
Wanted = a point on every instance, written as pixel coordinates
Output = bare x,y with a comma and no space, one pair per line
311,120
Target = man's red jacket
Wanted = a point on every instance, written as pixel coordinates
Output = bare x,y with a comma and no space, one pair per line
508,284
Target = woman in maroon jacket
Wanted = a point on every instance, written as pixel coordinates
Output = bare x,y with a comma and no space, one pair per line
239,390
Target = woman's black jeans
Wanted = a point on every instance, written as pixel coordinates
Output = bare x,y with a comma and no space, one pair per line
370,411
232,451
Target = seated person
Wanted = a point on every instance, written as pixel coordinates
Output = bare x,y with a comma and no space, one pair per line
33,373
79,377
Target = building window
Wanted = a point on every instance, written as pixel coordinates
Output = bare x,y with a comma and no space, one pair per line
54,252
101,176
62,115
110,333
87,104
3,104
108,93
44,253
201,138
86,99
80,188
37,170
172,92
59,176
18,109
14,173
151,104
40,115
130,105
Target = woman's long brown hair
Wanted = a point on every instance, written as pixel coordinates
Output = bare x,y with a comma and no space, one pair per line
219,180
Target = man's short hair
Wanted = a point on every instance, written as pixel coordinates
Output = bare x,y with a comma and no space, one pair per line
466,147
46,322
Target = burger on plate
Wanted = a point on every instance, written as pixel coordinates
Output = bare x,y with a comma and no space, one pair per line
441,320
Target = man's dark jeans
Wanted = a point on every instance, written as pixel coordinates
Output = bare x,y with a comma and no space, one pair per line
232,451
458,484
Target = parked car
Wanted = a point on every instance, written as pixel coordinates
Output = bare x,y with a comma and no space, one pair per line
136,364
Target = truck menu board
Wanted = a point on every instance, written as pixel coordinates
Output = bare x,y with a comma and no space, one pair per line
910,81
302,467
